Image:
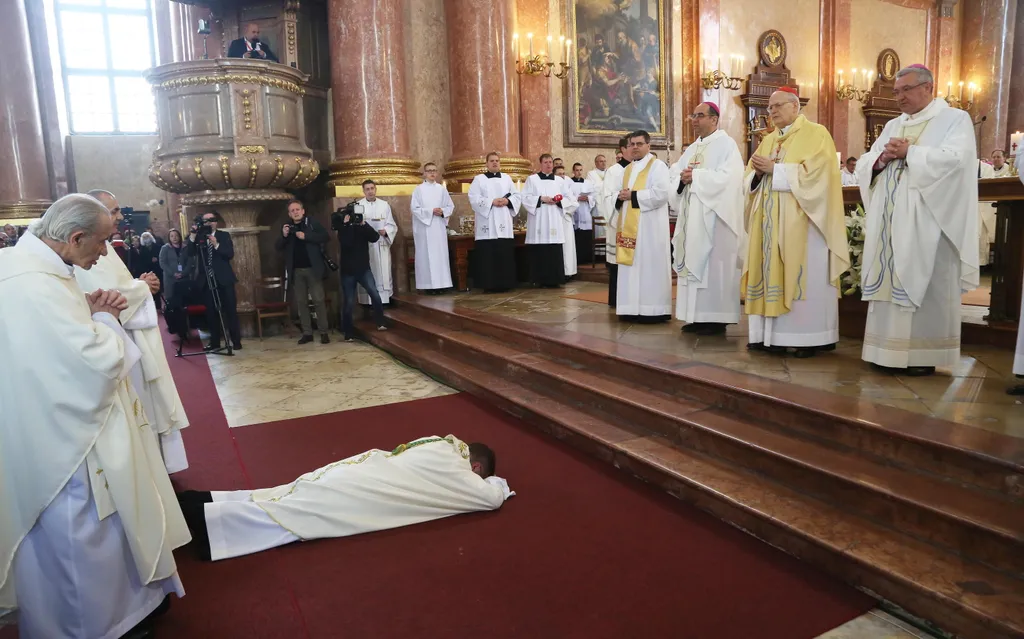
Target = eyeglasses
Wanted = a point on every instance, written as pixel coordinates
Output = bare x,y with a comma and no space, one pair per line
899,92
698,116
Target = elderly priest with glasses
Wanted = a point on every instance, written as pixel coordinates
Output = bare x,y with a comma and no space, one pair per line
919,184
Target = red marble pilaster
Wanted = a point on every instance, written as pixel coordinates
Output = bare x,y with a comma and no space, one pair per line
1015,114
534,91
701,24
24,179
987,40
833,54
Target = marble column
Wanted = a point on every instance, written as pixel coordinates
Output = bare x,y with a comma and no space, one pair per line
482,84
834,53
1015,115
534,91
987,37
24,178
371,131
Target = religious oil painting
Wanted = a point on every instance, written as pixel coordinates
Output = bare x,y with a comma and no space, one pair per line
620,81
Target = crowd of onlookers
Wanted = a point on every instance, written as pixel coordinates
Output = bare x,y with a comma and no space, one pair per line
9,234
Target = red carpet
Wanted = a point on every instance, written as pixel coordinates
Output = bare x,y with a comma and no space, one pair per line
583,551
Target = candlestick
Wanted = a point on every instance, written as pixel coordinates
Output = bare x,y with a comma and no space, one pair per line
839,79
865,72
529,36
568,47
961,94
853,78
515,46
703,67
561,47
949,89
739,64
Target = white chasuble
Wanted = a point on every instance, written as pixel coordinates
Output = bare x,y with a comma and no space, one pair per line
986,216
921,239
429,478
378,215
709,230
1018,357
1001,172
609,205
546,223
493,222
94,517
151,377
430,234
645,286
596,179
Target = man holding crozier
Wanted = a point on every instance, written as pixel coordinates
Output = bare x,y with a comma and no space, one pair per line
708,195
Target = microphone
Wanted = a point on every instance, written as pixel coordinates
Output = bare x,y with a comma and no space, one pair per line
980,120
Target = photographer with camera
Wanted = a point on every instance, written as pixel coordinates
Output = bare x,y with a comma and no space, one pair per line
302,240
214,251
355,236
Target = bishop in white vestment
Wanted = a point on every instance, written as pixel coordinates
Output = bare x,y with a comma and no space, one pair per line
596,179
89,516
548,202
426,479
377,213
151,376
609,203
919,185
708,194
643,245
432,208
495,201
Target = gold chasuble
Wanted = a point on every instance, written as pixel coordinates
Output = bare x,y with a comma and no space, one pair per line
625,239
775,270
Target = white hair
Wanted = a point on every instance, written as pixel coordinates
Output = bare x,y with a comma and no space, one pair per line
69,215
790,97
923,74
147,238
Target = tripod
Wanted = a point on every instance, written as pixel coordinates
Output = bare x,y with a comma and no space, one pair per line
206,256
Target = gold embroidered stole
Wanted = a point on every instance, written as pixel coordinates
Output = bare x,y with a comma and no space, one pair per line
629,227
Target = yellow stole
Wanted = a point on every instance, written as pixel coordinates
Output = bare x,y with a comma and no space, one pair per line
625,238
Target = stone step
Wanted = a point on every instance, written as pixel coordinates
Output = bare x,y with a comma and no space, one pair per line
959,454
960,596
974,524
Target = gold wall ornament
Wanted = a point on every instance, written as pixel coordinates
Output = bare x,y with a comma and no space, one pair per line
352,171
252,149
280,170
246,110
888,64
199,172
772,48
206,80
253,169
23,209
224,173
174,172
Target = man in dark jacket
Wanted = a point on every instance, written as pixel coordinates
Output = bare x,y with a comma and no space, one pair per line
302,241
354,268
216,257
250,46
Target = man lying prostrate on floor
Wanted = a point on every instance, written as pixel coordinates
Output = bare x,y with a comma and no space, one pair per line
427,479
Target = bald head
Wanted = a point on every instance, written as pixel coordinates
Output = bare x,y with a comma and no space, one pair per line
108,200
783,108
252,31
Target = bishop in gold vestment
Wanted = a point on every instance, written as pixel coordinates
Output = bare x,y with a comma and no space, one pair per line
798,248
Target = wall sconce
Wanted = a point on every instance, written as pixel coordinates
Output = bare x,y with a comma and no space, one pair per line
541,64
957,101
715,79
858,88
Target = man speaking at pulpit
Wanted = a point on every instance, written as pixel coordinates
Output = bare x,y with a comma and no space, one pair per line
250,46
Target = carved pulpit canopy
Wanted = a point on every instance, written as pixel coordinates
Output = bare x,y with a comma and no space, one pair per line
769,76
881,105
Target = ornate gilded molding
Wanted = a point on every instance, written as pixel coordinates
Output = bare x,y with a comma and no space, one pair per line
236,196
23,210
464,170
222,172
352,172
253,149
206,80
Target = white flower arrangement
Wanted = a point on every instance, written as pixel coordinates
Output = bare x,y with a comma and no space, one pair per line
855,236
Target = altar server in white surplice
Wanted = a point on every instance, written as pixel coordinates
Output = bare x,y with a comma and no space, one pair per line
426,479
708,195
596,179
609,203
151,376
432,207
986,217
642,236
548,203
377,213
583,219
919,185
495,201
1018,357
568,230
89,518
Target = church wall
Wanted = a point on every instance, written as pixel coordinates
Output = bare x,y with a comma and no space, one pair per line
876,25
427,96
119,164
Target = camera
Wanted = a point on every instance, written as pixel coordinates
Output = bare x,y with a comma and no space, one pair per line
353,210
201,228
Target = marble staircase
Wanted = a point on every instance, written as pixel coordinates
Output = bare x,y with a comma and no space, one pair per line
923,513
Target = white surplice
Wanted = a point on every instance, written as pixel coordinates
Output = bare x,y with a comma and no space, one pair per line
546,223
493,222
151,377
583,218
921,239
849,179
986,216
645,287
430,234
709,230
596,179
378,215
609,204
426,479
1018,356
86,539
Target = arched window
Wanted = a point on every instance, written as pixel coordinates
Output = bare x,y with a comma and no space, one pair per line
105,46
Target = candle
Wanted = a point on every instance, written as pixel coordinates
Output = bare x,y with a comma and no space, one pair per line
1015,141
961,95
970,95
949,89
741,66
866,76
839,81
561,42
568,46
515,45
853,78
529,36
703,67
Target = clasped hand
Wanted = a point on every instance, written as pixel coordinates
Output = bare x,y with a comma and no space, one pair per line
686,176
111,301
500,201
547,200
152,280
623,195
438,212
895,149
761,164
